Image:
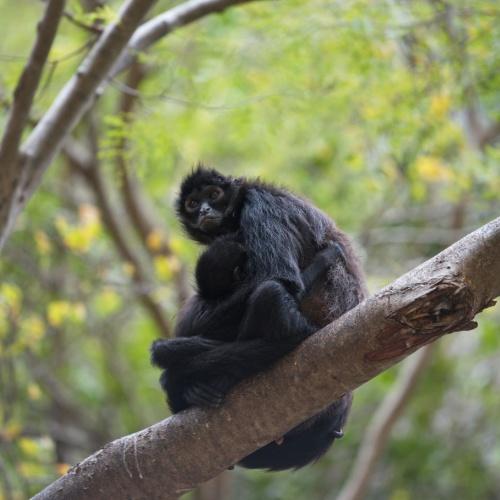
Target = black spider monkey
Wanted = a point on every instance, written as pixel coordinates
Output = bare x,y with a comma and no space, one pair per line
200,368
281,235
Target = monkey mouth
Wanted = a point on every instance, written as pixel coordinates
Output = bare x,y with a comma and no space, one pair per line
208,223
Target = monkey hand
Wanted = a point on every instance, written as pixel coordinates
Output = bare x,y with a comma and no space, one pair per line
317,269
208,394
331,254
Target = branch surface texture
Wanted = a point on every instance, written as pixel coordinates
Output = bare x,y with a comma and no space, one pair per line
441,296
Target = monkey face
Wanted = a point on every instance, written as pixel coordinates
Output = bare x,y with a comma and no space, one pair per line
207,204
204,207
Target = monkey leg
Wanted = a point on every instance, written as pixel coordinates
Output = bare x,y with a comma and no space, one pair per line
273,314
319,266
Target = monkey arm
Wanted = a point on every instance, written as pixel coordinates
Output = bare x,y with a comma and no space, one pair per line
216,320
322,261
273,314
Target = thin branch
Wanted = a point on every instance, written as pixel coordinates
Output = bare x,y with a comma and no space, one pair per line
407,235
91,173
441,296
381,425
96,30
163,24
490,135
6,481
146,227
25,91
134,199
61,397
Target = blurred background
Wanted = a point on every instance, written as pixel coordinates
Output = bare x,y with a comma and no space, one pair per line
386,115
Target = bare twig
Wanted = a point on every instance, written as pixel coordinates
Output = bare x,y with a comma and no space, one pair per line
62,399
25,93
441,296
92,28
8,489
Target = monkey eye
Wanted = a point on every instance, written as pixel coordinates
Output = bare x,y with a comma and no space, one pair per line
216,193
191,204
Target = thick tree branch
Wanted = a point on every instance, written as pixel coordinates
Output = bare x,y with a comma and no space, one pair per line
102,64
24,94
46,139
441,296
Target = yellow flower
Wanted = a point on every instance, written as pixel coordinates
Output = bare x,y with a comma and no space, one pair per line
432,169
58,311
62,468
165,267
34,392
11,297
11,431
42,242
440,105
154,240
28,446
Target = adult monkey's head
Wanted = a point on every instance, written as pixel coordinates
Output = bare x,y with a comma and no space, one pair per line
209,204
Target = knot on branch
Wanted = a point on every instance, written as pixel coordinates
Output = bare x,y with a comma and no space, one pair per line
436,308
421,313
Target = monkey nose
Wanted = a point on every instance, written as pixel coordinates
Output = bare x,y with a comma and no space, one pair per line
205,209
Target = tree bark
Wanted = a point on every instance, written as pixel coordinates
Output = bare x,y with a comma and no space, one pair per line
441,296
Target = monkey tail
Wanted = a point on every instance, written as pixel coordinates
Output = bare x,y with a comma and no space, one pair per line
241,359
168,352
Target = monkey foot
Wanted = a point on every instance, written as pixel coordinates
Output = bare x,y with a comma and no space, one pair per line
202,394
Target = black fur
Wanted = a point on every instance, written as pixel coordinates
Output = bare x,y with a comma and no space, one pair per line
225,340
281,235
